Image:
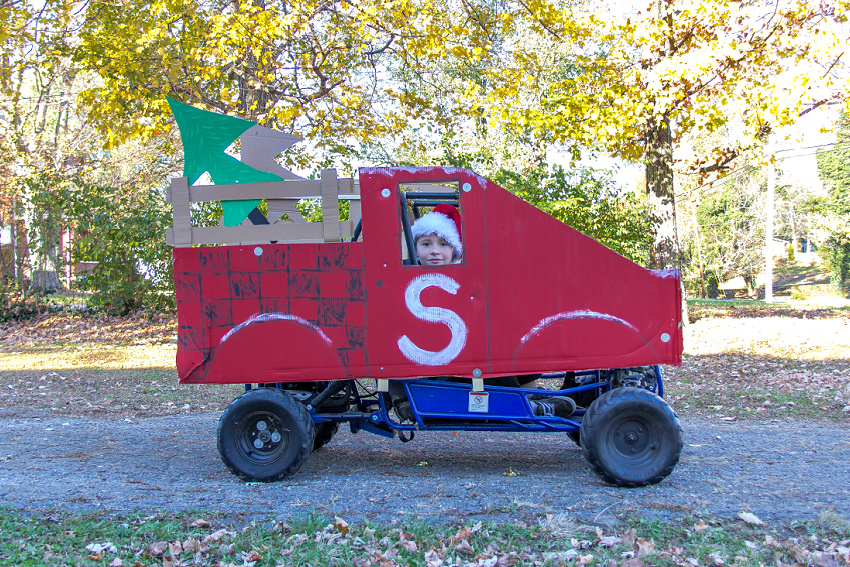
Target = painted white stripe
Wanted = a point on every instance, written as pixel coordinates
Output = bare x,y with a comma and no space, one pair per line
580,314
263,317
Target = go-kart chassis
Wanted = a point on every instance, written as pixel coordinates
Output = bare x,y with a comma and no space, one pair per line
439,405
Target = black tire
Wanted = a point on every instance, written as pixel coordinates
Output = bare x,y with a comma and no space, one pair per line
631,437
576,437
265,435
324,433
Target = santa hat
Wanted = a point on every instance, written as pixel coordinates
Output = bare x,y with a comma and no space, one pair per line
444,221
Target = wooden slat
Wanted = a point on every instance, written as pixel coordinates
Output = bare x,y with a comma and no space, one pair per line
283,233
182,216
354,211
431,188
330,205
287,189
292,190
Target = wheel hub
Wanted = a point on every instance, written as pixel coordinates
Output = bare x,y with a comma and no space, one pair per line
631,438
261,438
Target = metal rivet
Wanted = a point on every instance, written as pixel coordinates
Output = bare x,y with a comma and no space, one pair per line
467,187
385,192
477,373
258,251
665,338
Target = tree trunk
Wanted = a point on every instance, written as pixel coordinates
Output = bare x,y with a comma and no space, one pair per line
661,200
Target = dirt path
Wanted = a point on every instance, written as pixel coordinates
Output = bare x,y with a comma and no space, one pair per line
779,471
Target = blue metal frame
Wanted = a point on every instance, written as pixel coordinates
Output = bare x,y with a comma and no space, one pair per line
438,405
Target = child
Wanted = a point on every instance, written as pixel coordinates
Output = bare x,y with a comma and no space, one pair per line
437,237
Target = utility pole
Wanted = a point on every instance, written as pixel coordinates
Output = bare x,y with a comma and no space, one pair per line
768,223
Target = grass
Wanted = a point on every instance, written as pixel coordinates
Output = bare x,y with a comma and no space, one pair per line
208,539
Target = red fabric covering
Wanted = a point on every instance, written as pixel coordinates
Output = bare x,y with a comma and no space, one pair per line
531,295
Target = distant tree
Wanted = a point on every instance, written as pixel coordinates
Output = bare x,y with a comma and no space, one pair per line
121,230
680,67
834,169
589,201
730,219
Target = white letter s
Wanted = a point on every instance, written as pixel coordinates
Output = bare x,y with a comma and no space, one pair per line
433,315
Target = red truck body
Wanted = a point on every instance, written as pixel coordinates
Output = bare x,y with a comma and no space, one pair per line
530,295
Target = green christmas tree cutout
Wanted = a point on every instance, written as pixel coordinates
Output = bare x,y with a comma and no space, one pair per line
206,135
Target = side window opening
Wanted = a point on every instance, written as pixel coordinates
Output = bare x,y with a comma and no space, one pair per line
415,201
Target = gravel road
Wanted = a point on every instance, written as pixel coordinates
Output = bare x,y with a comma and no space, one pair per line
778,471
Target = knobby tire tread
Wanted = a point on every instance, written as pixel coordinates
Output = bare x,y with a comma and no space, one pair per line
324,433
265,398
598,418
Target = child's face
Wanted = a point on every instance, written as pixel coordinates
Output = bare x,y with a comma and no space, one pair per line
433,250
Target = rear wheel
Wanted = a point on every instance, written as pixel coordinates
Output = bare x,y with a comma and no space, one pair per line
324,433
265,435
631,437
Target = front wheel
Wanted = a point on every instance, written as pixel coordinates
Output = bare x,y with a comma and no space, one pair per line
631,437
265,435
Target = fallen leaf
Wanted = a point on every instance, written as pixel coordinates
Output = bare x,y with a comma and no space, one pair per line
175,549
464,548
750,518
462,534
606,541
216,536
341,525
701,526
433,559
645,547
200,523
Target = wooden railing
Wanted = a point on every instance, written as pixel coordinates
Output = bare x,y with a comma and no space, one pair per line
281,197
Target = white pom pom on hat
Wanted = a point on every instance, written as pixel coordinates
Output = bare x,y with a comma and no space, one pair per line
444,221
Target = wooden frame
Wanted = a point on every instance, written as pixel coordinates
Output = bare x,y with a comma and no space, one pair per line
282,197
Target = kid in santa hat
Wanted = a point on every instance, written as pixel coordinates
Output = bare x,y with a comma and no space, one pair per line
437,236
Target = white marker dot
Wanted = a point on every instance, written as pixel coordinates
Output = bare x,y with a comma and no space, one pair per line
385,192
665,338
258,251
467,187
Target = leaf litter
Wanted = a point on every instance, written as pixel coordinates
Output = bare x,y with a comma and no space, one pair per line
740,362
481,545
